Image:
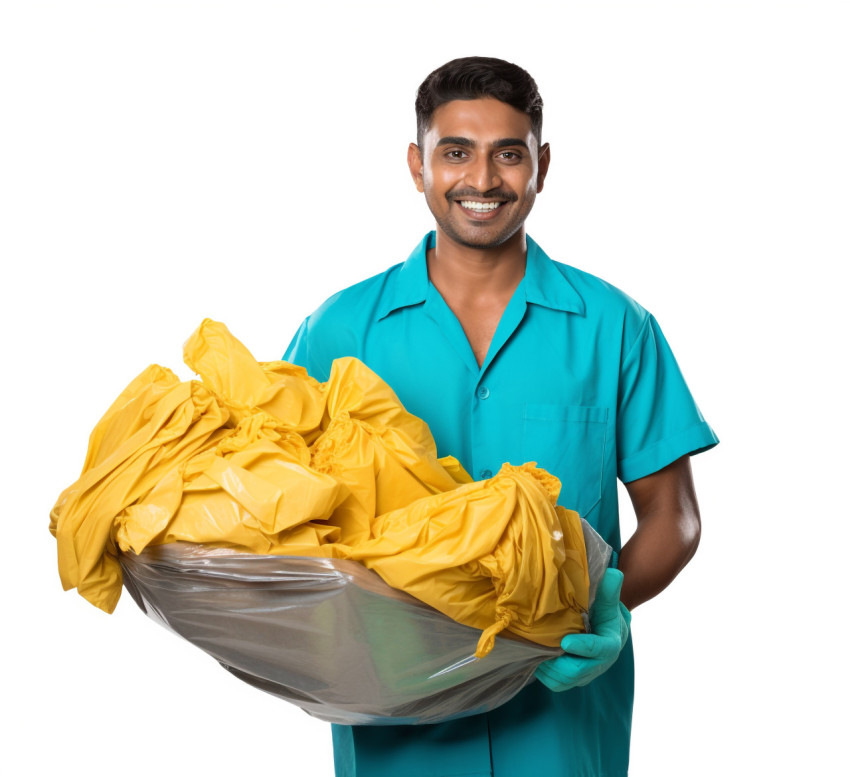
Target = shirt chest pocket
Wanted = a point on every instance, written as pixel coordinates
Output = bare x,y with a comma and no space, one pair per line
569,442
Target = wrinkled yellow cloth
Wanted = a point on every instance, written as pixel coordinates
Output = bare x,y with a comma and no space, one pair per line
260,457
494,554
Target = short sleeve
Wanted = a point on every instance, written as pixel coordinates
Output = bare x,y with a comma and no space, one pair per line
658,420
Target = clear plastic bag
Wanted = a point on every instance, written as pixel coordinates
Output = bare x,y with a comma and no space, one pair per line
330,636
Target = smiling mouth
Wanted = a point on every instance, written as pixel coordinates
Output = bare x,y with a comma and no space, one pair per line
479,207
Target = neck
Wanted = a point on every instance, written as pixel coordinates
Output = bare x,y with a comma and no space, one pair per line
463,271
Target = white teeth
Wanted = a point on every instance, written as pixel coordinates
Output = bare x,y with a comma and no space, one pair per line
480,206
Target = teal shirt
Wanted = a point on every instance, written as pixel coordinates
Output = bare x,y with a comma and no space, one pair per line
578,378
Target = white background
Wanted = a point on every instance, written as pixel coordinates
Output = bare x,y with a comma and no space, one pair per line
167,161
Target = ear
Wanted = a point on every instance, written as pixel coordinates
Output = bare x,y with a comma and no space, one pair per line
414,162
543,160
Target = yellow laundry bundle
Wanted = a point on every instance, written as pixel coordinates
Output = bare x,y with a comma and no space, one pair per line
255,490
383,456
495,554
260,457
151,428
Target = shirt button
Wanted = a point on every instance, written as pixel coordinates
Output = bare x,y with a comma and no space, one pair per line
485,474
483,392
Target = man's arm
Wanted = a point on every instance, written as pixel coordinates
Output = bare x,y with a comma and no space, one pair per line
664,541
667,534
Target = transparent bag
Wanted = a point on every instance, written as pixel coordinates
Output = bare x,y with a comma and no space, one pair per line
332,637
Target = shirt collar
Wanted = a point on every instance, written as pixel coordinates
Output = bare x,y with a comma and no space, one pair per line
410,285
544,284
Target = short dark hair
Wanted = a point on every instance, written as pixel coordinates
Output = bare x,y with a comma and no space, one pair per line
471,78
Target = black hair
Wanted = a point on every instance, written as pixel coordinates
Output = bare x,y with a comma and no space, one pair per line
472,78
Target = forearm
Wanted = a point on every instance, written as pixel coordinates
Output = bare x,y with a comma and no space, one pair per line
667,533
657,551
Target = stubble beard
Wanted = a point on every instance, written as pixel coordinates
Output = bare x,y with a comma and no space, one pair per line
468,238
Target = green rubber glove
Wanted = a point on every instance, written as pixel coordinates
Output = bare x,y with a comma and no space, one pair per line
590,655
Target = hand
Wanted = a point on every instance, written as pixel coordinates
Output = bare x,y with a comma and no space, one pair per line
590,655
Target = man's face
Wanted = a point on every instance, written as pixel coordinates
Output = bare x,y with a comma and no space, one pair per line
480,169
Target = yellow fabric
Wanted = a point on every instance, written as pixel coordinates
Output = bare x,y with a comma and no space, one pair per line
485,554
262,458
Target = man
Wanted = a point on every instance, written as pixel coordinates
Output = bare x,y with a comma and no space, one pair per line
511,357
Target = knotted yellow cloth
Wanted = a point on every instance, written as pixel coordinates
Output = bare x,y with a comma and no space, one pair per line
260,457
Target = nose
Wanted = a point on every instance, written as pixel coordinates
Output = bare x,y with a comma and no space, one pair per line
482,174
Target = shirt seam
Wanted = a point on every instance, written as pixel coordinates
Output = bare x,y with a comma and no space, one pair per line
643,326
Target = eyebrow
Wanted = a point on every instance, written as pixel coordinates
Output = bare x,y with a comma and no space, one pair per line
452,140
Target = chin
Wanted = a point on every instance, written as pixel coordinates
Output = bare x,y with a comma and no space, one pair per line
481,240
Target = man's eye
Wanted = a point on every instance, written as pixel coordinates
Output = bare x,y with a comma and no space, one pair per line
510,156
456,153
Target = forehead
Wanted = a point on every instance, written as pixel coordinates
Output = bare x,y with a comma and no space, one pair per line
484,121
